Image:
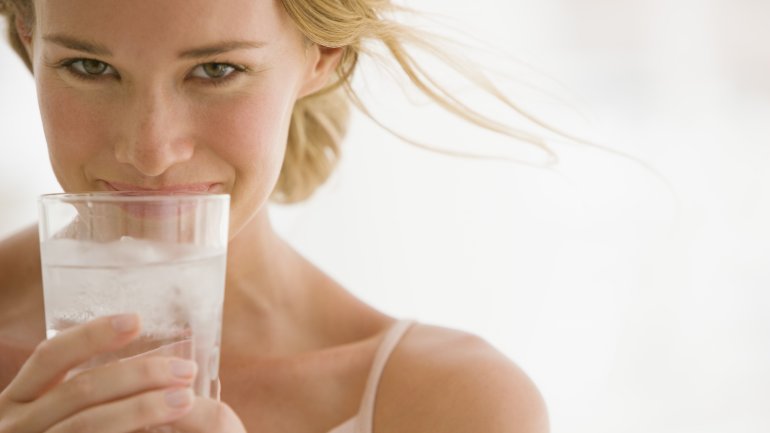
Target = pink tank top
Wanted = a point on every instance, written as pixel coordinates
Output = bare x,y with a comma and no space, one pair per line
362,422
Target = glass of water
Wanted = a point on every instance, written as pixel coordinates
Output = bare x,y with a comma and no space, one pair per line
161,255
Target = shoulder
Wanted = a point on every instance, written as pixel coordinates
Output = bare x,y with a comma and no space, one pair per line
19,256
447,381
21,302
21,297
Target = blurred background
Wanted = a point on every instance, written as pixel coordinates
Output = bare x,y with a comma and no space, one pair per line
632,290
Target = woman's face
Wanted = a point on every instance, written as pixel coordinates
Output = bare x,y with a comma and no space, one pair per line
171,94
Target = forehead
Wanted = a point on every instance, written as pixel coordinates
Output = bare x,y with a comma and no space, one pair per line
152,23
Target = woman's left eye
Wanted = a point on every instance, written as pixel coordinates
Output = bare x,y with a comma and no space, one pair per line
215,71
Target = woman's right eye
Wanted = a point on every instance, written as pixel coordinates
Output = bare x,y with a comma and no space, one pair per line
89,68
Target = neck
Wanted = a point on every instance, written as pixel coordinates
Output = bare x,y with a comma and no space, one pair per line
268,289
278,304
262,267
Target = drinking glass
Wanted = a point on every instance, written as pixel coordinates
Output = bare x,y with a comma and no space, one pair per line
161,255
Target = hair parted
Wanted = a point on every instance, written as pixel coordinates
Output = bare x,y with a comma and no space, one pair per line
319,121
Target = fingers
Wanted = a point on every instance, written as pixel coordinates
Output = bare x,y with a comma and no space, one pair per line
209,416
51,360
130,414
108,383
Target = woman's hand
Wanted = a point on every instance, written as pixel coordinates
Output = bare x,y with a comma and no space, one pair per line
209,416
116,398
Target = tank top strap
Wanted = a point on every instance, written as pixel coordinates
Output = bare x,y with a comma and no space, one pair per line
365,416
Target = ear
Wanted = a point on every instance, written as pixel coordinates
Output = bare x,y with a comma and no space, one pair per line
25,34
322,61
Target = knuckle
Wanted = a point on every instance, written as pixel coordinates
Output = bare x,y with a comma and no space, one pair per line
78,424
45,352
91,336
147,409
80,386
151,370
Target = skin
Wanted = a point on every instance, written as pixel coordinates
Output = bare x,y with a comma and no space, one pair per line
292,337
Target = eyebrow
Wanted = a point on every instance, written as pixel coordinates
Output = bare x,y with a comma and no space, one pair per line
79,45
200,52
220,48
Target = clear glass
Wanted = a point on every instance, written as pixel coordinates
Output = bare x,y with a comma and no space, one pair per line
161,255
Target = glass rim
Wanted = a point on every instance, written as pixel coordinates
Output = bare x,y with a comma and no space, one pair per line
132,196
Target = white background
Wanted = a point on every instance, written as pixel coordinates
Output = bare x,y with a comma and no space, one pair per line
634,308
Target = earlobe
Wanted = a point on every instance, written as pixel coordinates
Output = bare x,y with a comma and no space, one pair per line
324,63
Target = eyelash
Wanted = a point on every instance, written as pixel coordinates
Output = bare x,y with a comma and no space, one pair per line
67,64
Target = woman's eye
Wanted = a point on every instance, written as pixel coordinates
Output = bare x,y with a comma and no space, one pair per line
90,67
213,70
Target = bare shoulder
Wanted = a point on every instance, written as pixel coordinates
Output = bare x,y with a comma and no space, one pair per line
21,295
19,257
20,252
446,381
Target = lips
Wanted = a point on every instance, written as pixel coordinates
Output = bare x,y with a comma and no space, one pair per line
190,187
159,209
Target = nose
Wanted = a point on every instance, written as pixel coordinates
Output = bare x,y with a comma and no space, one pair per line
155,133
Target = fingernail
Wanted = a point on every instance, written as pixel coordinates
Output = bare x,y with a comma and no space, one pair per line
183,368
179,397
125,323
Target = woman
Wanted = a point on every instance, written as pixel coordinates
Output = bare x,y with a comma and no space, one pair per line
241,97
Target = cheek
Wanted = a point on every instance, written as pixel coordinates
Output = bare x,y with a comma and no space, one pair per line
74,131
249,132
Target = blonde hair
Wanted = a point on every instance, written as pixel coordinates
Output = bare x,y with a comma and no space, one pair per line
319,121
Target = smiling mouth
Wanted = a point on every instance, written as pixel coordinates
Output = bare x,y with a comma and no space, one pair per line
190,187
